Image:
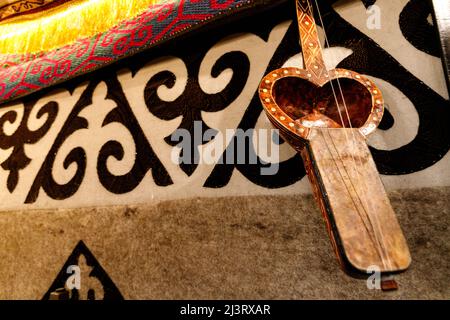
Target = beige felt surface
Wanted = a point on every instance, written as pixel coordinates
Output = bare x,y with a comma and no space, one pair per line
226,248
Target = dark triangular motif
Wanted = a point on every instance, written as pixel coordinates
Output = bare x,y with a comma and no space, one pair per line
95,285
368,3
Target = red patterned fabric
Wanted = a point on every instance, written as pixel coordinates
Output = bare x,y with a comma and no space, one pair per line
21,75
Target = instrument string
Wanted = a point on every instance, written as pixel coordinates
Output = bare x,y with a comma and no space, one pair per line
370,233
366,224
380,243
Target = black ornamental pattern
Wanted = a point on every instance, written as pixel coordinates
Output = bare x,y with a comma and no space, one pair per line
430,145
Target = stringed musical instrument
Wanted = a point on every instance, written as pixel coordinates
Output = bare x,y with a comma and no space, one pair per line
326,115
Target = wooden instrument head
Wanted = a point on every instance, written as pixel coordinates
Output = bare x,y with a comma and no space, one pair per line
297,100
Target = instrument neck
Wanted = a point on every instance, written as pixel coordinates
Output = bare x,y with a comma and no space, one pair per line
311,47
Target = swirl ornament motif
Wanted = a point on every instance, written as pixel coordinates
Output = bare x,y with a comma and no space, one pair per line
18,159
194,98
145,159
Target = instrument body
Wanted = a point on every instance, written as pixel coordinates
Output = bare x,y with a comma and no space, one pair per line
326,116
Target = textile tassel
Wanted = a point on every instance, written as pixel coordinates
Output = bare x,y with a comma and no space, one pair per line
62,25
